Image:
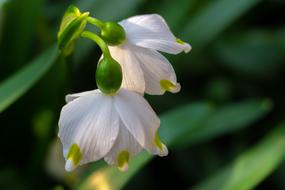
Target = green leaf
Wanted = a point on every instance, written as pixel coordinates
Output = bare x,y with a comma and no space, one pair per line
1,17
213,19
192,120
21,18
174,18
251,167
226,119
16,85
2,2
255,53
12,179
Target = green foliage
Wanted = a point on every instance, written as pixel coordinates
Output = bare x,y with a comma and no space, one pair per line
254,53
220,121
213,19
252,166
18,31
19,83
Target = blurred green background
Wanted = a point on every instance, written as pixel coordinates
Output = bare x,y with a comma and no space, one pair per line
225,129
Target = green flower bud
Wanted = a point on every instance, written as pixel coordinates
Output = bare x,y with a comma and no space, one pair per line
109,75
72,25
113,33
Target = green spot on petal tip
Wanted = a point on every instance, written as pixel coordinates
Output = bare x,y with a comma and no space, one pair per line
179,41
158,142
123,159
167,85
74,154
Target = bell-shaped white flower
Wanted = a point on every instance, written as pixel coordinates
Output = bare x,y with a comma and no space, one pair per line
94,125
144,68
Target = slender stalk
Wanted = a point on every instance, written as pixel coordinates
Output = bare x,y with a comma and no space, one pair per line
96,22
97,40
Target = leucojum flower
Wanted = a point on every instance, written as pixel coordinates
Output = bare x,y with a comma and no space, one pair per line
115,122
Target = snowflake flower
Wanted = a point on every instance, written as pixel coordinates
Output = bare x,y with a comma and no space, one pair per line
144,68
94,125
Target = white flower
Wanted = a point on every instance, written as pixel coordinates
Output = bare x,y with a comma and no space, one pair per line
93,125
144,68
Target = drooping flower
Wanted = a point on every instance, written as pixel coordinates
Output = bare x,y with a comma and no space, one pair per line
94,125
144,68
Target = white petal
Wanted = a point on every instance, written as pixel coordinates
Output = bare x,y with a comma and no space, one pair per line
156,69
139,118
70,97
133,78
69,165
151,31
124,142
91,123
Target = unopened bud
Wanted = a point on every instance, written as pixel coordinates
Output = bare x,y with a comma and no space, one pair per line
72,25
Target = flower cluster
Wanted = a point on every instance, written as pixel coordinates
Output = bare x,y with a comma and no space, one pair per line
115,122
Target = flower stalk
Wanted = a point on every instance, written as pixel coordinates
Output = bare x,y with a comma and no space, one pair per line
95,38
96,22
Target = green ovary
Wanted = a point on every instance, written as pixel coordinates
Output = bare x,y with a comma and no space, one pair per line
109,76
113,33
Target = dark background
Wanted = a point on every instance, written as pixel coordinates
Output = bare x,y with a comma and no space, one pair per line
238,55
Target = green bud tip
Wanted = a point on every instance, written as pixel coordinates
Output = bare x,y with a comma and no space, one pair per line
109,75
113,33
72,25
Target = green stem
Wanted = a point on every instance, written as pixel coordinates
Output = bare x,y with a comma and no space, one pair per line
97,40
96,22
